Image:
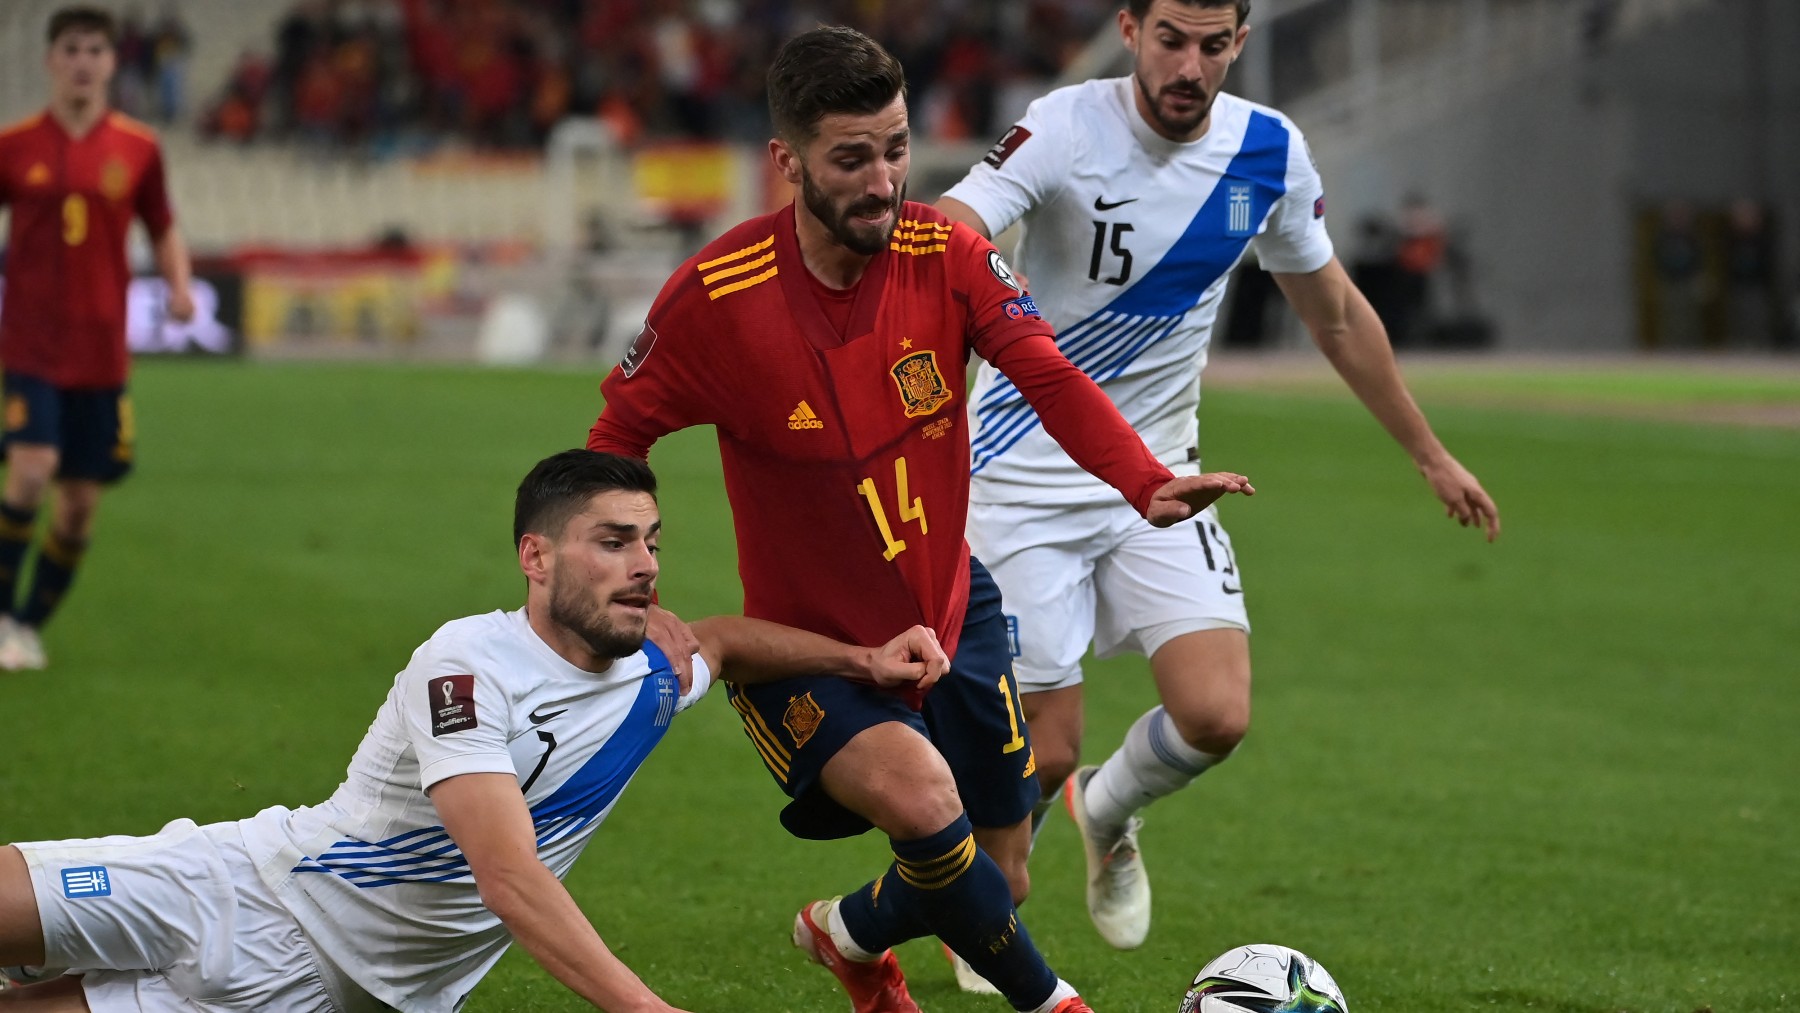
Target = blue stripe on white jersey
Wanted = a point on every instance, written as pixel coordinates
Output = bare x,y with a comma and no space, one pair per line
427,855
1108,341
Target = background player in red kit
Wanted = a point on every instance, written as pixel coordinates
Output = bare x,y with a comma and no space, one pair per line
828,344
74,176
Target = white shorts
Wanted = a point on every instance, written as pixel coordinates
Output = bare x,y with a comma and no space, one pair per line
1101,573
178,921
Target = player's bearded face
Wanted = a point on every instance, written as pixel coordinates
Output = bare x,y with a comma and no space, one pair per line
1182,54
853,220
853,175
575,605
604,571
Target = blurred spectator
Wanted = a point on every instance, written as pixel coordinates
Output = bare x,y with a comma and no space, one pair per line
169,45
237,115
1679,258
500,73
1423,240
1751,299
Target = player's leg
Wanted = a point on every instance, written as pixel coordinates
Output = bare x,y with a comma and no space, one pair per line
940,883
976,724
21,930
97,450
32,439
179,920
1055,713
1175,595
71,527
1043,561
61,995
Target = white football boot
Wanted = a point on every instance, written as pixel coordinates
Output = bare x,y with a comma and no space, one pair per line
21,648
1118,889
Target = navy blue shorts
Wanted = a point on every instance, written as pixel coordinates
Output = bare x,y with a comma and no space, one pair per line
91,429
972,715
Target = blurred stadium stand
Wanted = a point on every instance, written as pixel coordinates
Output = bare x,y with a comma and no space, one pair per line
1557,139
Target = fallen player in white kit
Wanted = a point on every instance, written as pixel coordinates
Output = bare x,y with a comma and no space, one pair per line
502,747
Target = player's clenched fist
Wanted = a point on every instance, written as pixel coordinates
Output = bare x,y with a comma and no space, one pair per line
1186,496
913,659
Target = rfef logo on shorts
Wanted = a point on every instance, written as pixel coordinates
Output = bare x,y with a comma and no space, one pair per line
88,881
452,704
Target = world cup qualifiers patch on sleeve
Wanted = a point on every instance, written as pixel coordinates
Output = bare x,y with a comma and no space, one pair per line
639,350
1021,308
452,704
1007,144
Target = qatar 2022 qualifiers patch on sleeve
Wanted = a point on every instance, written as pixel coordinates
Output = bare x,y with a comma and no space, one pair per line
452,703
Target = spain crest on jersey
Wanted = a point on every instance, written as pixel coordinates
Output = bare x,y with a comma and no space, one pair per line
115,180
922,386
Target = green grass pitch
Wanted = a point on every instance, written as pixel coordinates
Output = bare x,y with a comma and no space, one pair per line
1557,773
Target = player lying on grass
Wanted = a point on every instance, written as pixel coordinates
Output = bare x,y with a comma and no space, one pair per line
502,747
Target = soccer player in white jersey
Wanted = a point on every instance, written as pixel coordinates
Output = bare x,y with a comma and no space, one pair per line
501,748
1136,197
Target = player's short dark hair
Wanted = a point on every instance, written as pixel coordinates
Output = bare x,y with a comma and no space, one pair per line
1139,8
83,19
829,70
561,484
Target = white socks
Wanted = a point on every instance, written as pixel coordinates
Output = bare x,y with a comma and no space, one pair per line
1063,990
840,936
1152,762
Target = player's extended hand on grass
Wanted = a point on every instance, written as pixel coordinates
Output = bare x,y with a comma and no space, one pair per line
913,659
1186,496
1462,495
666,630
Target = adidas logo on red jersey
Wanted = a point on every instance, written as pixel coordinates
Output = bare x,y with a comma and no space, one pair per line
803,418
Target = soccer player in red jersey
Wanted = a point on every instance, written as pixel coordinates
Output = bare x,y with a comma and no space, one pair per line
828,344
74,176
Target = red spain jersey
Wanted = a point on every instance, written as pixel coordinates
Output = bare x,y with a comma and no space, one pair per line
846,450
72,201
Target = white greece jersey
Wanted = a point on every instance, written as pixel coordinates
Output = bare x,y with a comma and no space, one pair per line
371,875
1128,240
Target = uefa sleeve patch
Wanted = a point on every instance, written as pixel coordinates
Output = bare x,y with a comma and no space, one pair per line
1022,307
452,704
1007,144
1319,207
639,351
87,881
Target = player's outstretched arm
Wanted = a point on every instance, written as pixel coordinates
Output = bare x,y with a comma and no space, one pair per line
1347,330
745,650
486,816
1187,495
177,270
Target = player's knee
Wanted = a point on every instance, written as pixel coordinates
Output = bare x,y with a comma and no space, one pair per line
1216,730
1056,764
1018,879
918,805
